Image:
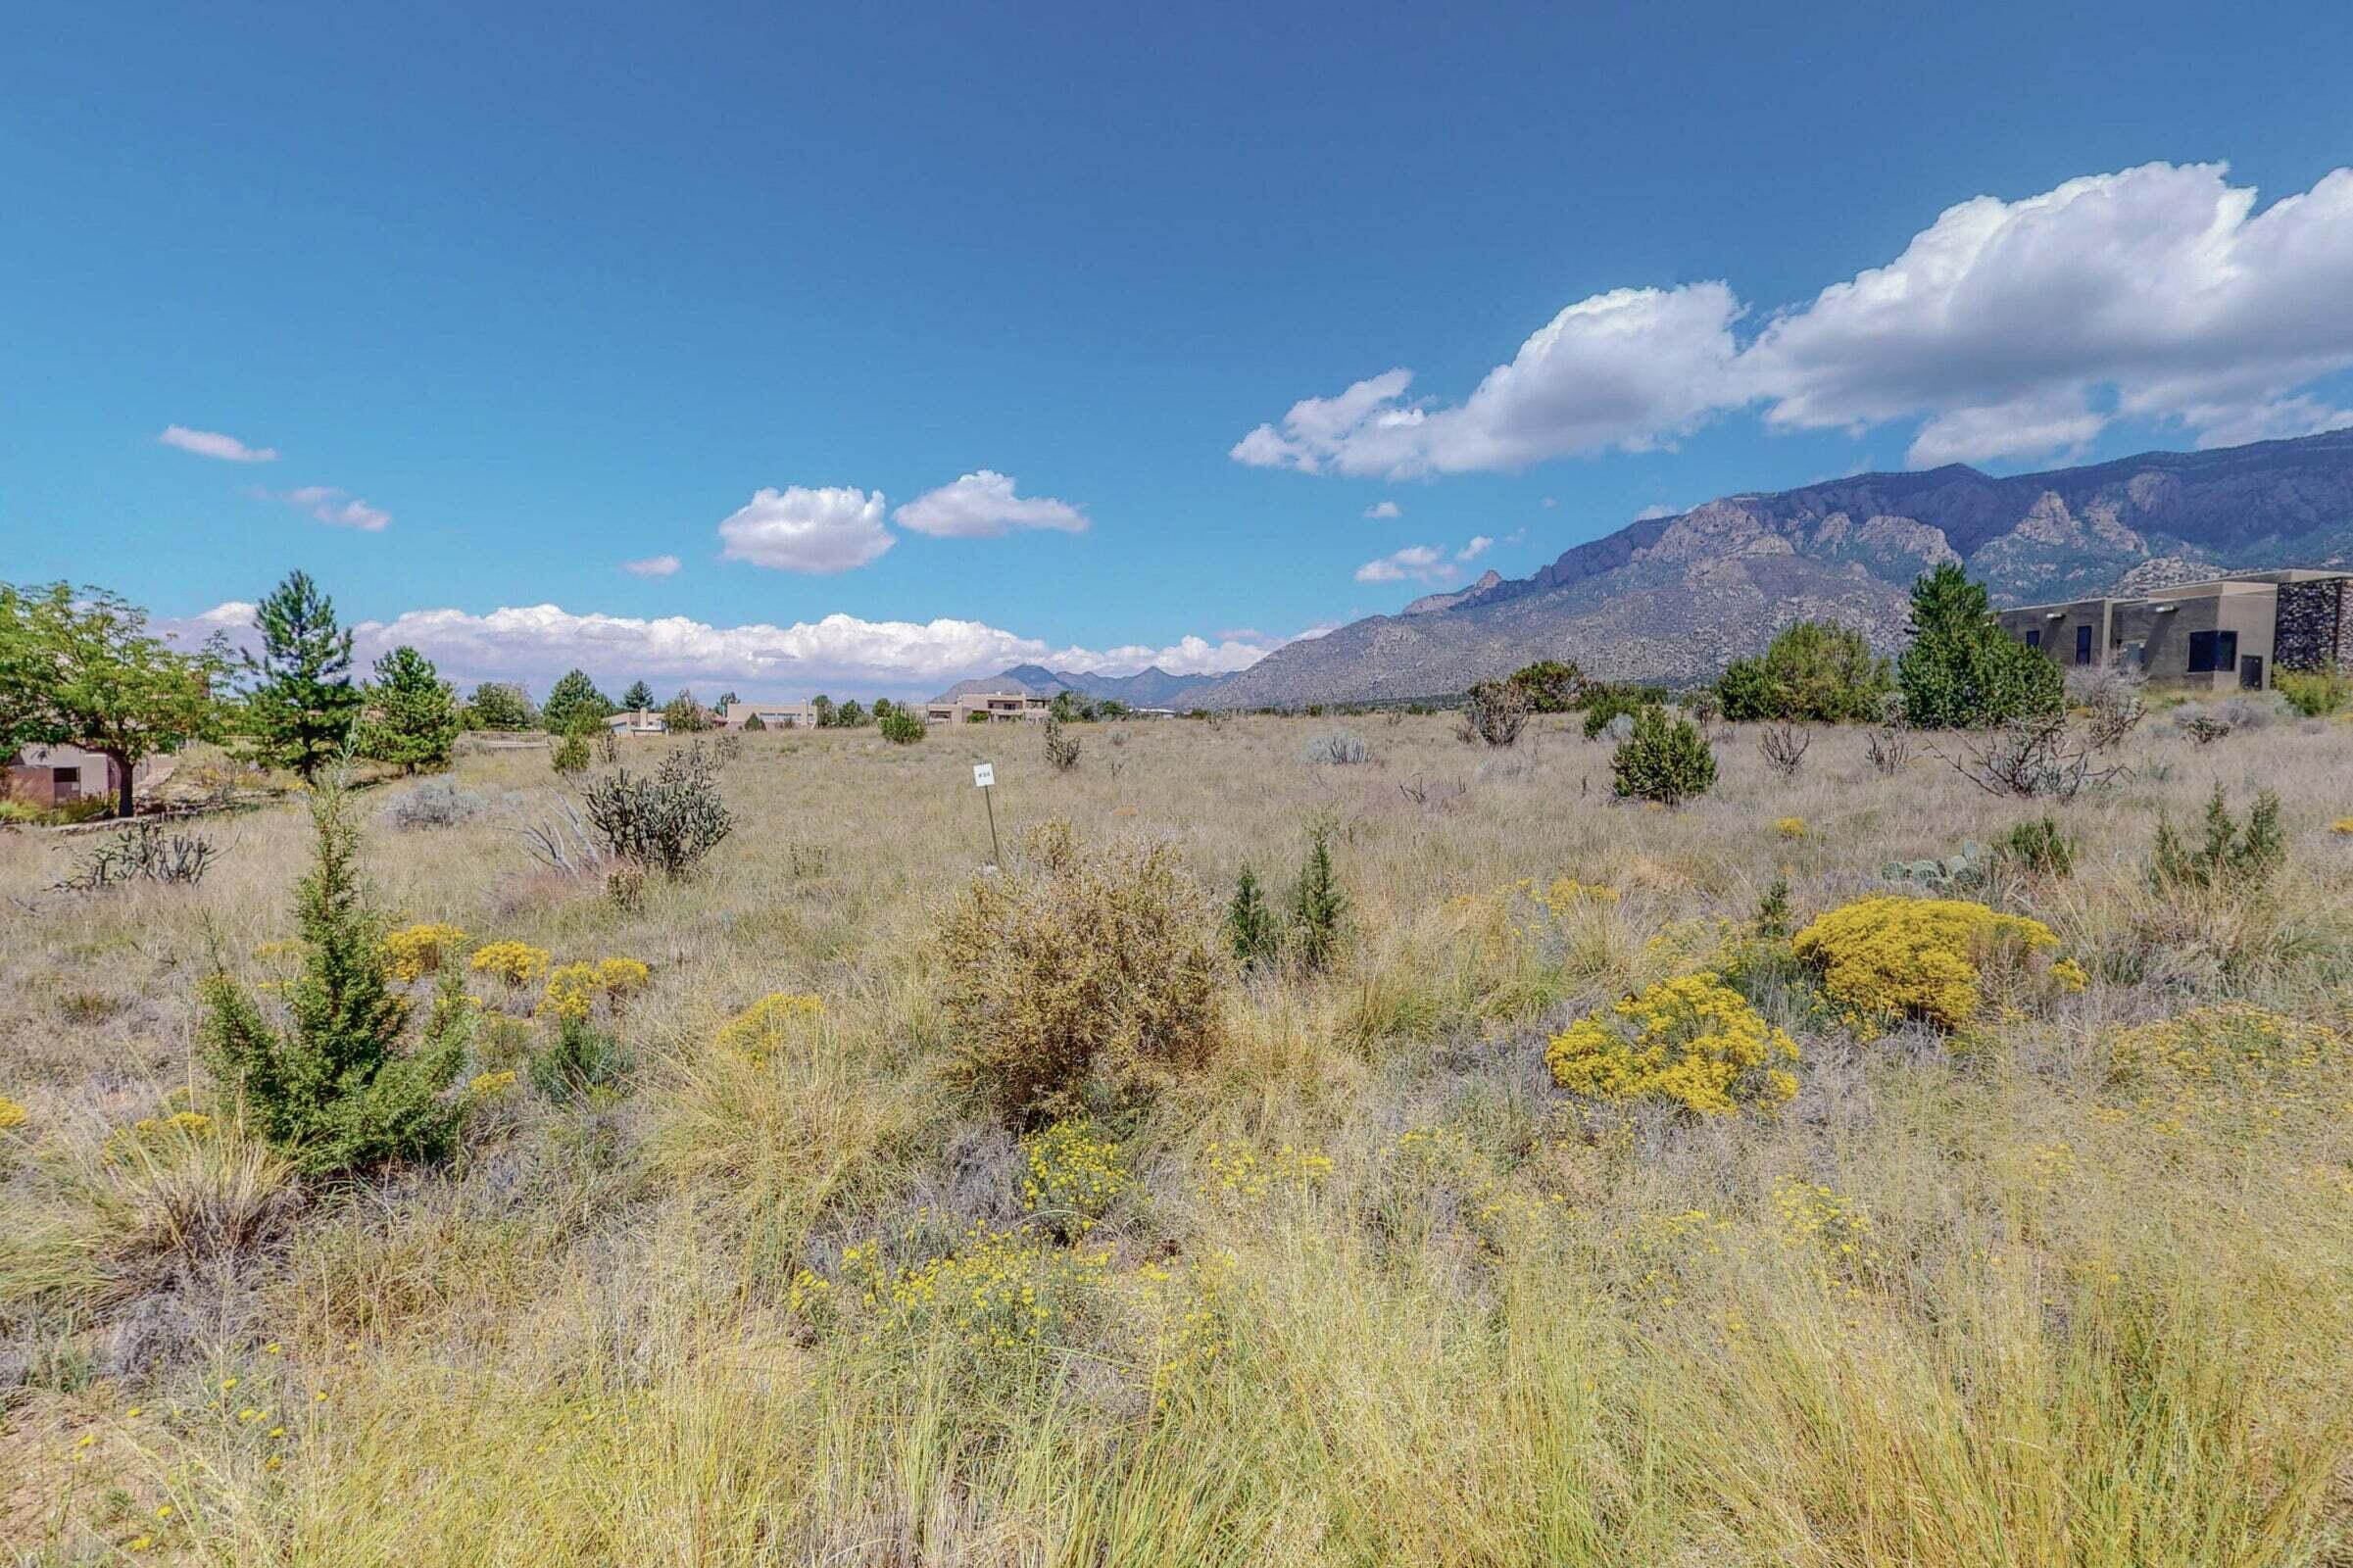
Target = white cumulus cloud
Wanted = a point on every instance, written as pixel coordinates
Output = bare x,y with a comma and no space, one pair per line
651,566
213,444
983,506
336,508
536,643
1385,510
795,529
2005,328
1421,563
1479,546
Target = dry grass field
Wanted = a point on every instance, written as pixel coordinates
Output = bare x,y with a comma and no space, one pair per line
2069,1284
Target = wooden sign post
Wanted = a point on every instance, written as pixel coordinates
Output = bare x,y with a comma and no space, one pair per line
984,779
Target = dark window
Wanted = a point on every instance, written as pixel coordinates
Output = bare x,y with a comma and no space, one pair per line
2082,644
2251,672
2226,651
2035,637
2201,653
66,778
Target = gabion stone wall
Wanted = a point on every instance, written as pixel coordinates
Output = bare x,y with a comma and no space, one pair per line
2316,625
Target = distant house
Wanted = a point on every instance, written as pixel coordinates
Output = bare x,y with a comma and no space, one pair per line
51,776
2224,633
988,706
772,715
644,721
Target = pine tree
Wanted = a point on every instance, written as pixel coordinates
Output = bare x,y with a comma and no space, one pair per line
1316,901
332,1092
638,699
300,709
1249,924
1962,670
573,701
413,718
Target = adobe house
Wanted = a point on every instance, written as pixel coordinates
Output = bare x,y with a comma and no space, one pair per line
2222,634
772,715
51,776
988,704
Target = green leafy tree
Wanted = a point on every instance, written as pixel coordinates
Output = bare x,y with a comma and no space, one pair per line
1667,760
638,699
1814,671
901,728
850,715
573,701
83,671
1962,670
333,1091
1549,685
684,715
413,713
727,700
822,705
301,707
883,709
501,704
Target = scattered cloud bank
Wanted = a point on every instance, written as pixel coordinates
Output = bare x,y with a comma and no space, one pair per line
213,444
984,505
651,566
1420,563
2009,329
1479,546
1385,510
337,509
795,529
534,644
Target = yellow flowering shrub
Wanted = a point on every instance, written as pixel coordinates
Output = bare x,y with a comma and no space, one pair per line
2343,824
1245,1173
571,992
2234,1063
999,1290
1191,1315
1824,1222
1076,1172
1692,1040
621,977
761,1030
1791,828
415,951
485,1086
518,964
1887,958
12,1114
185,1123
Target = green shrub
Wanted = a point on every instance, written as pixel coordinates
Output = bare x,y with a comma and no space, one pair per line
1494,711
1815,671
571,753
2314,693
1249,924
1664,760
578,1058
1605,703
1080,979
755,721
332,1092
901,727
664,821
1549,685
1316,901
2039,845
1962,670
2227,854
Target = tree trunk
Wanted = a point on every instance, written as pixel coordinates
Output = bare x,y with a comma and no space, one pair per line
124,804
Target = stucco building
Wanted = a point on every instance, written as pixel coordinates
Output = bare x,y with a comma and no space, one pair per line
2225,633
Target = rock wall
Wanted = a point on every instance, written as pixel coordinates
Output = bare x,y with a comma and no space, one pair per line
2316,625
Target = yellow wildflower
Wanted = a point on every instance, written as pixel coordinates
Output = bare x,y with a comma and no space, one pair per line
621,976
1791,828
571,992
762,1029
483,1085
1886,957
415,951
518,964
12,1114
1692,1040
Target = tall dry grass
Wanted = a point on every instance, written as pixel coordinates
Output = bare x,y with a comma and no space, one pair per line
1377,1294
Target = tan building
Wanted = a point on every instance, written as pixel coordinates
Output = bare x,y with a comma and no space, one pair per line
51,776
2225,633
974,706
644,721
772,715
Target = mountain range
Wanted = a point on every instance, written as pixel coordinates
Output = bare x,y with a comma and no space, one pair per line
1673,598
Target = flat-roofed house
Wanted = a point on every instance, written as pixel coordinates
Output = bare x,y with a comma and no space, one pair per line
2225,633
772,715
643,721
964,709
51,776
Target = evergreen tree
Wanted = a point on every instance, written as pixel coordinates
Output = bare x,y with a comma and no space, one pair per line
413,718
1316,901
638,699
726,697
499,704
821,706
301,707
1962,670
573,701
332,1092
1815,671
1249,924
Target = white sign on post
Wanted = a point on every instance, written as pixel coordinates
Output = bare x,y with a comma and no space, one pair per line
984,775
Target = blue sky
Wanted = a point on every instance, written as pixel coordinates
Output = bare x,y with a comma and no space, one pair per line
518,295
